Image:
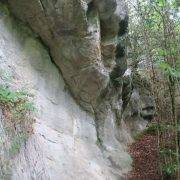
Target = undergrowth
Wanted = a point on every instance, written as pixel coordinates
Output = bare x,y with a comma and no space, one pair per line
166,150
18,112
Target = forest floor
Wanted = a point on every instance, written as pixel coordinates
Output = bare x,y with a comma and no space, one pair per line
145,159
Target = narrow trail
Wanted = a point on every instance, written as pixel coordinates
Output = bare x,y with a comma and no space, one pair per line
145,155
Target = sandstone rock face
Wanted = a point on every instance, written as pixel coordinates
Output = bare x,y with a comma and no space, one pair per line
85,40
64,144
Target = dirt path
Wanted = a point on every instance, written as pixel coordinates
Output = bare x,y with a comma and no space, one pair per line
145,155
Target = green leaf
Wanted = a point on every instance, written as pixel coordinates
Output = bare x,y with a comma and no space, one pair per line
171,168
162,52
178,128
163,65
161,3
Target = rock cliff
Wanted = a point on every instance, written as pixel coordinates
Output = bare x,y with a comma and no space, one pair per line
73,61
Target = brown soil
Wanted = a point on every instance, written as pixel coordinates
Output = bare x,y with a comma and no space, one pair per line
145,155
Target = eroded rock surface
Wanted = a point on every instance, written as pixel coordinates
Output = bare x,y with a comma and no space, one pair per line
64,144
85,40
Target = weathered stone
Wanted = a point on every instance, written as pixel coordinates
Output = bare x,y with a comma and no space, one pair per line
67,143
85,40
72,31
141,106
78,34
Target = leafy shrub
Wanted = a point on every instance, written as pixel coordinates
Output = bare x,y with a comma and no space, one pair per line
18,110
16,100
171,169
16,143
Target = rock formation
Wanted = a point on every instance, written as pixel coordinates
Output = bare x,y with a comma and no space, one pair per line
84,38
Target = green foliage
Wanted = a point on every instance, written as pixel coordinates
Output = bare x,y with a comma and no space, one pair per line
168,152
168,70
16,99
152,129
178,128
160,3
17,143
17,102
154,38
8,96
171,169
19,108
22,108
